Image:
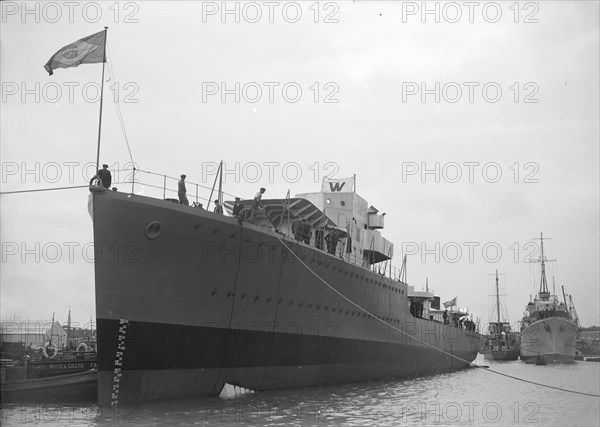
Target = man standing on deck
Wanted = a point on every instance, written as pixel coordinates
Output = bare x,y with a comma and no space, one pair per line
181,191
256,203
104,176
297,229
306,232
237,207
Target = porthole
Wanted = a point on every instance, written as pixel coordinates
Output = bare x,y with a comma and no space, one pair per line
153,230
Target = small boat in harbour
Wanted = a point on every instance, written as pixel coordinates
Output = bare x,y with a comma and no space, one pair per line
74,387
501,342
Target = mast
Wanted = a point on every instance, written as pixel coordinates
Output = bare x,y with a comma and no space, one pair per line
543,283
543,293
497,299
221,184
51,329
219,177
573,312
403,271
101,97
69,327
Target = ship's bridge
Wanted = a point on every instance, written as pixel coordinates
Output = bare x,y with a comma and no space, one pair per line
343,217
361,223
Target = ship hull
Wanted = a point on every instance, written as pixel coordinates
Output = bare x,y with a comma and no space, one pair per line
187,301
553,338
512,354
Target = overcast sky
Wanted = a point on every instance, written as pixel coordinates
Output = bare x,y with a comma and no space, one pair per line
498,103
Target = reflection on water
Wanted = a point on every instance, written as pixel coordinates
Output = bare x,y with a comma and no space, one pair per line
469,397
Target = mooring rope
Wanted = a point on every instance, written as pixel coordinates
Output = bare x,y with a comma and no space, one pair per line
423,342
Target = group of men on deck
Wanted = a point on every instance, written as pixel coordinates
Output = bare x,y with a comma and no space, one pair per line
416,308
301,230
237,207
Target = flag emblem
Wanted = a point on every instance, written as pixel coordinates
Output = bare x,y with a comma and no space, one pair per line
70,54
88,50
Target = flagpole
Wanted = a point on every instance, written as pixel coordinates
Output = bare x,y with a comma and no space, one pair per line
101,98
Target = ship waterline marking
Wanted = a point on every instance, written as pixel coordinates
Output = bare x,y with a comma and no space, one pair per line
53,12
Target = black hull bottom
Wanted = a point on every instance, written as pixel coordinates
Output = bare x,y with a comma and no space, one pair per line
164,362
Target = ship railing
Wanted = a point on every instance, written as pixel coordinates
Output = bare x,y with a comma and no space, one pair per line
162,186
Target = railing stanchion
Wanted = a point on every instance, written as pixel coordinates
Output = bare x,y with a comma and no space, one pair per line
133,181
164,186
196,193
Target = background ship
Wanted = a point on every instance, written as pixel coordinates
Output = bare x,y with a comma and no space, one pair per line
549,327
501,342
189,300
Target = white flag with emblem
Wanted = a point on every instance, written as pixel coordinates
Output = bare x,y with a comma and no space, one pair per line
338,185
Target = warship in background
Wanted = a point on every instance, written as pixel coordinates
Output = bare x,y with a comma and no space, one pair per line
549,327
193,300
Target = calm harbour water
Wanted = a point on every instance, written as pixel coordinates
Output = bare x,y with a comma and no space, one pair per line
469,397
